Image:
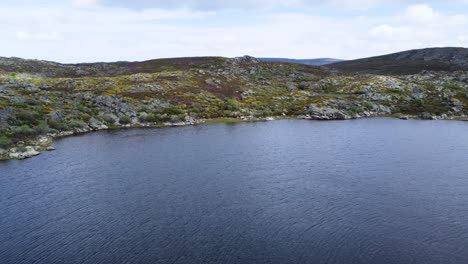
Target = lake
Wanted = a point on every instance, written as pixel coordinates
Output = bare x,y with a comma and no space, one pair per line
292,191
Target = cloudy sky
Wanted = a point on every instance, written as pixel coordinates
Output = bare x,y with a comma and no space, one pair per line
110,30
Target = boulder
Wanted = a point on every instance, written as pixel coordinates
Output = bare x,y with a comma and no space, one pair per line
245,59
110,118
382,109
326,113
426,116
50,148
96,124
23,153
189,120
458,106
56,116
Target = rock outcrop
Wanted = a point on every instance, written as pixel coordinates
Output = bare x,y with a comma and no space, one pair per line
23,152
35,108
326,113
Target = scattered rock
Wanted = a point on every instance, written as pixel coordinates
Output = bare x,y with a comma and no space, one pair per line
190,120
96,124
326,113
23,152
245,59
458,106
426,116
291,86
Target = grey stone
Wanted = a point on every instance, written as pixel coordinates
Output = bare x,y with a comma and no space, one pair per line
326,113
28,152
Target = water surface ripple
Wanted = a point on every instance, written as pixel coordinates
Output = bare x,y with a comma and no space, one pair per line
363,191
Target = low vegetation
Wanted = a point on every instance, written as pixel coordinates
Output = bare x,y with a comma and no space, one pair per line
38,98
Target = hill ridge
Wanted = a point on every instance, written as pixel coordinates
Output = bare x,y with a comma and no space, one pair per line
409,61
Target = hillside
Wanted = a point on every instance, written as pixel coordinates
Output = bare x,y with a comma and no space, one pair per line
315,62
56,70
41,100
409,62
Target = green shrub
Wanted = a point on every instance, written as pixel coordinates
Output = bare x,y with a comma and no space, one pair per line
303,86
108,119
85,117
266,113
356,109
368,105
148,118
232,105
26,116
158,111
164,118
77,124
24,131
196,109
82,108
13,74
124,120
158,118
42,128
265,75
175,118
57,125
173,110
4,142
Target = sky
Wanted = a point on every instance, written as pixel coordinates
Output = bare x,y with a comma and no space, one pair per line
71,31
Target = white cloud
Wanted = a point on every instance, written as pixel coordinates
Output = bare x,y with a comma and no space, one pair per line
84,3
266,4
422,14
69,34
381,31
39,36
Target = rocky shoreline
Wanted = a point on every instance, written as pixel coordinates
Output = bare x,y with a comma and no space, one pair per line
49,102
35,147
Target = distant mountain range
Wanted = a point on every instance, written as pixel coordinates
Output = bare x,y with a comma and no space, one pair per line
409,62
406,62
316,62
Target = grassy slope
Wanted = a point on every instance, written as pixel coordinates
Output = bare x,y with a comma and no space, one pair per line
409,62
42,97
390,66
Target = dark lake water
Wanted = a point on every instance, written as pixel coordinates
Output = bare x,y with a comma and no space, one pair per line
363,191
